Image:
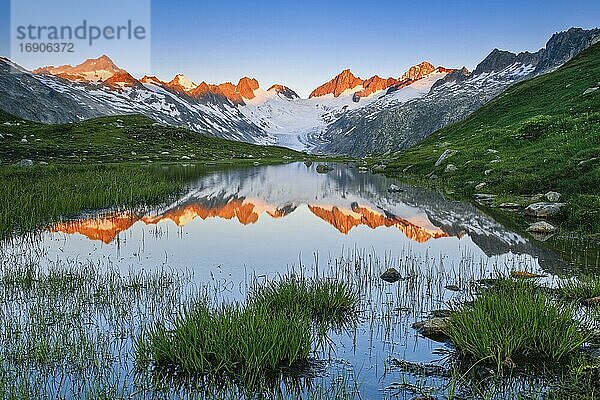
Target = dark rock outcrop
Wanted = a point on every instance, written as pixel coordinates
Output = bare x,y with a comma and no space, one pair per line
563,46
284,91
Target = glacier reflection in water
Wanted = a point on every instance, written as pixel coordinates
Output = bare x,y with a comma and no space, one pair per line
277,215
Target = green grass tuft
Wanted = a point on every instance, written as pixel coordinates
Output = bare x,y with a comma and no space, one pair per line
512,320
324,300
269,334
229,340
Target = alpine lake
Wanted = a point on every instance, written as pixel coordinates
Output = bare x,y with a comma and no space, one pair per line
82,299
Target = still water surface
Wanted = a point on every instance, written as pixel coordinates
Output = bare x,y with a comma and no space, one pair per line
266,221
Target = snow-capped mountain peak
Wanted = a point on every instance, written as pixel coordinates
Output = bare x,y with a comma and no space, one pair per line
181,83
339,84
346,81
418,71
91,70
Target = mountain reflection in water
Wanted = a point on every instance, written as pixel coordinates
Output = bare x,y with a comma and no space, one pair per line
345,199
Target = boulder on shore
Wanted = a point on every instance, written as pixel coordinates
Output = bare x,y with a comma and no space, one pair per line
395,189
552,196
444,155
543,210
323,168
450,168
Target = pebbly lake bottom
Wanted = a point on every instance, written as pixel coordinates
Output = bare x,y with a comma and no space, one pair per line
75,298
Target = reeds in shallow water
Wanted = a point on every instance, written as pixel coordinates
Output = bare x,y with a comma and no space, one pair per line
515,318
273,331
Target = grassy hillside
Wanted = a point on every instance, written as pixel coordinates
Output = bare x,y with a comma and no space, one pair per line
542,134
105,162
120,139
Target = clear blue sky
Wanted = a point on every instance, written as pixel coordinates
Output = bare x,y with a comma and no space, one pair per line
304,43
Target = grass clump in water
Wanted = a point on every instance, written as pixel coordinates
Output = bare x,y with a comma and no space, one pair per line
512,320
271,333
322,300
230,339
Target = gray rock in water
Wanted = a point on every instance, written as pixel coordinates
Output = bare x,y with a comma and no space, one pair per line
480,186
541,227
590,90
395,189
391,275
323,168
25,163
434,328
445,154
543,210
552,196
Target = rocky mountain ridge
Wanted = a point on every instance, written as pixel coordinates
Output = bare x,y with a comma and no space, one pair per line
346,81
345,115
378,129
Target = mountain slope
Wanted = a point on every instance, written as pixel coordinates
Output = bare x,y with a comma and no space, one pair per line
83,94
92,70
242,111
539,135
301,123
378,129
